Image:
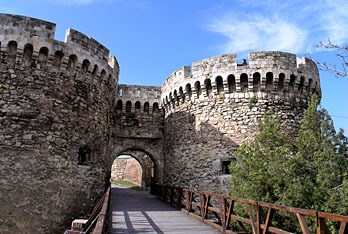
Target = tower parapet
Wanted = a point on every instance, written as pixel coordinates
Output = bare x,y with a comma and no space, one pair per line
26,27
275,75
30,42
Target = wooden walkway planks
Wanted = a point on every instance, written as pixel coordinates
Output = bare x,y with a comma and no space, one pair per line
139,212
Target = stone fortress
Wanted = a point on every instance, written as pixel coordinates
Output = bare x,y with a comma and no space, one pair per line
64,118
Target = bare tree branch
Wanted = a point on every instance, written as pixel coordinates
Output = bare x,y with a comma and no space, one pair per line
341,52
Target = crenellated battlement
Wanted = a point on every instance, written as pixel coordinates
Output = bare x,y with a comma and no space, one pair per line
138,98
137,113
30,43
272,75
75,38
178,76
26,26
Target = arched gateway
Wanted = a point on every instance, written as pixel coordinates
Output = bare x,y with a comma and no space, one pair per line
148,147
140,168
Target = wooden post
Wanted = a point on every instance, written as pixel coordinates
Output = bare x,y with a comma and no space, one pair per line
252,218
321,226
187,201
222,212
206,206
303,223
343,228
201,202
268,220
258,225
230,210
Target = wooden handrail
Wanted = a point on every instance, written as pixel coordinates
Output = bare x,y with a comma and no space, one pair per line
97,221
101,225
223,210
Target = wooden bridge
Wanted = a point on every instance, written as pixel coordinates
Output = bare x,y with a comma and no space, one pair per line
179,210
139,212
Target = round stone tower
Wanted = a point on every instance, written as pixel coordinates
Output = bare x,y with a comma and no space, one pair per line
55,102
211,111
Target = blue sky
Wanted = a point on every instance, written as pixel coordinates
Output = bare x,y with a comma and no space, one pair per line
153,38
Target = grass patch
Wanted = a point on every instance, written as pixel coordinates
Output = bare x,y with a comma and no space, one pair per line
127,184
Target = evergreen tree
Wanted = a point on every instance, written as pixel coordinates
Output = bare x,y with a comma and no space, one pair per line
307,172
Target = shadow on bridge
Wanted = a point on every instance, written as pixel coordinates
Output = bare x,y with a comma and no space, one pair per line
139,212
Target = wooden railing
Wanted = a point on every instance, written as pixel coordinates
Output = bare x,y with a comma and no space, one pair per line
219,210
171,195
97,222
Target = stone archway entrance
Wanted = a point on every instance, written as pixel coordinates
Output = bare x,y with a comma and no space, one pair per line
138,149
137,168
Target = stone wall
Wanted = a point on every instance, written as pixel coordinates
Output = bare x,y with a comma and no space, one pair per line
211,112
138,169
55,106
127,169
147,165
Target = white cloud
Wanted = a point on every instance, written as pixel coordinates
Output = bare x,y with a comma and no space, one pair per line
259,33
334,20
293,26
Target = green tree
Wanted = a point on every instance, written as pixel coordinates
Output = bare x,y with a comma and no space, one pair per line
307,172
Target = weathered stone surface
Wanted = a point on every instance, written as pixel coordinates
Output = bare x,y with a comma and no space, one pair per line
147,165
138,169
127,169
